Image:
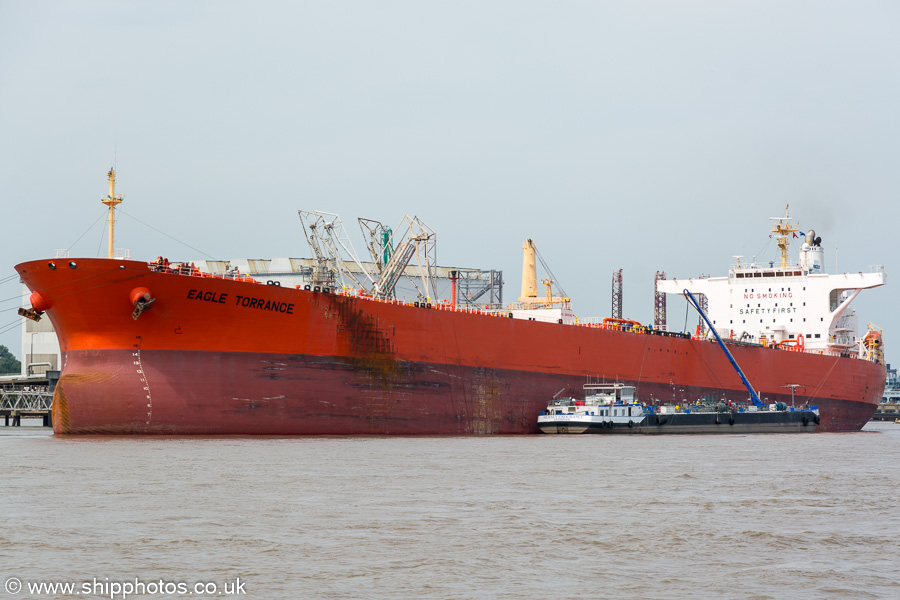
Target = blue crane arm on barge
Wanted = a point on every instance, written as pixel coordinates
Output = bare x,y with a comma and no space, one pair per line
693,302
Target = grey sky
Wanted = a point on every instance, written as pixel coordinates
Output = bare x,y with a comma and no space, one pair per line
634,135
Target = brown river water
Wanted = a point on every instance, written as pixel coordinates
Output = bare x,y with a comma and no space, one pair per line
764,516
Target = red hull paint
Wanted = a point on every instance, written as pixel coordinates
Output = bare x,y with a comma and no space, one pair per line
222,356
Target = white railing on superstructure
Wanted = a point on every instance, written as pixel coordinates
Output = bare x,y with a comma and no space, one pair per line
590,320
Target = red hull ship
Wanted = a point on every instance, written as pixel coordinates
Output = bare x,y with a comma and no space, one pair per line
153,348
195,360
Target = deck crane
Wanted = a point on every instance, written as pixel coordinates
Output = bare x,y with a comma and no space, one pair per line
693,302
529,295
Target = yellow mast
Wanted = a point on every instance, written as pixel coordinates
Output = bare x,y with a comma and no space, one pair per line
111,201
529,271
782,228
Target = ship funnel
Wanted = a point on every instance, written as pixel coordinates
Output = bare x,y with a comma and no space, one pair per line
529,271
812,256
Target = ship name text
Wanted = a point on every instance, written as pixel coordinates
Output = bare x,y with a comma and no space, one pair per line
244,301
260,303
207,296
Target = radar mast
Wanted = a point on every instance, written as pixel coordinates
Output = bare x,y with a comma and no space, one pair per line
782,227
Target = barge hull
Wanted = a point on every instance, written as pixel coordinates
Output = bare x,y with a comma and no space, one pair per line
698,423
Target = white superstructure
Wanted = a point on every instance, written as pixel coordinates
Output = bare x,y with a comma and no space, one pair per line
795,304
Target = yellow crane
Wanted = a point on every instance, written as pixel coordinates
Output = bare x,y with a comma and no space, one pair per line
529,282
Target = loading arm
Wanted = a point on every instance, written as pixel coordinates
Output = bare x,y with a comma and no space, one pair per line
693,302
395,267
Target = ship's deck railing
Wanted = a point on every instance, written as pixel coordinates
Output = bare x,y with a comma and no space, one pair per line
492,310
183,268
706,408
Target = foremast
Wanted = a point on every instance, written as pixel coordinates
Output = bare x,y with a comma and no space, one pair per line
111,201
